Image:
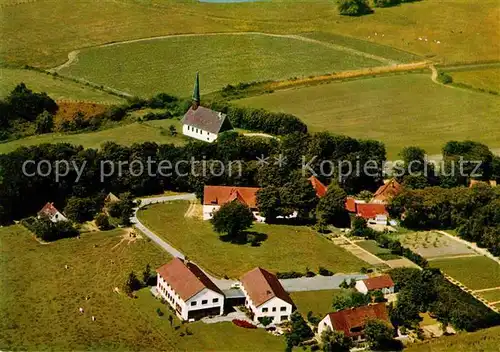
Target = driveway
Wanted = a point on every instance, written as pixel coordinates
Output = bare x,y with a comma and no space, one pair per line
318,282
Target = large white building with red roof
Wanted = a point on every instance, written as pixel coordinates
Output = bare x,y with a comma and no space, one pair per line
352,321
188,290
216,196
265,296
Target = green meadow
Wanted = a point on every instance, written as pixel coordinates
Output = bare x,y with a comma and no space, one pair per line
401,110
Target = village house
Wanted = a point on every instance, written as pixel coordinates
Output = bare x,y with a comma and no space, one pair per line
188,290
383,283
318,186
373,213
216,196
352,321
203,123
265,296
386,192
50,212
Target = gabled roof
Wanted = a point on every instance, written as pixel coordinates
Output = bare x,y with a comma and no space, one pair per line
370,210
111,198
48,210
355,318
318,186
186,279
378,282
350,204
388,191
220,195
261,286
207,120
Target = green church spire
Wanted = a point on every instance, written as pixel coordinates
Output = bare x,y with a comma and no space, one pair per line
196,90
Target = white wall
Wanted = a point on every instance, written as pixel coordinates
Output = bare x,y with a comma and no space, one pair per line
361,287
208,211
198,133
325,324
173,299
274,303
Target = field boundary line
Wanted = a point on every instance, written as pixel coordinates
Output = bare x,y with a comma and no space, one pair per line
487,289
454,257
474,247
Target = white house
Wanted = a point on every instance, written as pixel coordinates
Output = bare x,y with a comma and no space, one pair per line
203,123
188,290
216,196
50,211
383,283
265,296
352,321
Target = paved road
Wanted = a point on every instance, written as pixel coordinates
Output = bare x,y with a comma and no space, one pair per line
147,201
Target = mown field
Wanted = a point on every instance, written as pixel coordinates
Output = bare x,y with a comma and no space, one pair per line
401,110
151,131
483,340
286,248
56,88
169,65
39,299
33,32
491,296
486,79
474,272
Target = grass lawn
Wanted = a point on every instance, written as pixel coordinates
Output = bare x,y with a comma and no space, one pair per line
39,299
474,272
487,79
491,296
286,248
150,131
372,247
482,340
33,33
318,302
169,65
57,88
402,110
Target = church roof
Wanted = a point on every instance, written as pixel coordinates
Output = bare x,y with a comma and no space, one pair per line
207,120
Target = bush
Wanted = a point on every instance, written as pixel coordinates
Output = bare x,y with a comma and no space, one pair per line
289,275
324,272
353,7
444,78
102,222
159,312
243,324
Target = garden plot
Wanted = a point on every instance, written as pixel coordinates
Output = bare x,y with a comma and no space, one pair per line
431,244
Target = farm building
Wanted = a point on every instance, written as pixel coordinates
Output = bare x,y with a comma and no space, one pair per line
203,123
383,283
318,186
50,211
352,321
216,196
374,213
389,190
188,290
265,296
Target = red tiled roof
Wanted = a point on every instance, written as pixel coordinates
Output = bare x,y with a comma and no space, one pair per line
388,191
370,210
48,210
378,282
355,318
262,286
220,195
318,186
186,279
350,204
207,120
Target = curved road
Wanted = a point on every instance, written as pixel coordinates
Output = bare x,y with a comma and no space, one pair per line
291,285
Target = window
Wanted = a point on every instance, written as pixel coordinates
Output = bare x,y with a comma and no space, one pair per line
274,309
215,300
284,317
205,301
264,310
193,303
283,309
